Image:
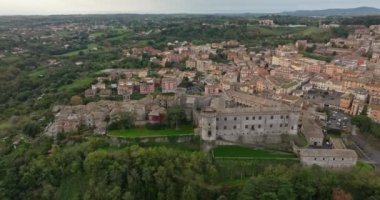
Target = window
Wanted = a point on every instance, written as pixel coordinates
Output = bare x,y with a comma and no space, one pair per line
253,127
280,125
292,127
209,133
323,158
286,125
235,118
254,118
342,158
287,116
217,119
260,118
246,126
234,127
225,119
333,158
225,127
271,117
282,117
246,118
315,158
259,126
209,124
271,125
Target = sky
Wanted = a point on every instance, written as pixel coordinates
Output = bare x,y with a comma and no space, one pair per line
45,7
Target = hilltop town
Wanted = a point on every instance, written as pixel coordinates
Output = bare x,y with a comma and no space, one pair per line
170,106
294,81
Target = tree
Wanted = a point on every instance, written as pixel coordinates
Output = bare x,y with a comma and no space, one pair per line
305,183
186,83
267,188
198,75
175,116
32,129
339,194
189,193
363,122
365,110
123,121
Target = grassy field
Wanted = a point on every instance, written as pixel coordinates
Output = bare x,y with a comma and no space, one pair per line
79,83
37,72
76,52
248,153
144,132
4,124
316,34
274,30
97,34
137,96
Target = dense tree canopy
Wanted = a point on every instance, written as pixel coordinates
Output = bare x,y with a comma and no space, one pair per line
366,125
80,168
123,121
175,116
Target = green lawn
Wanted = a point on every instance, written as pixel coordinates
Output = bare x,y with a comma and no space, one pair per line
137,96
316,33
76,52
312,30
37,72
144,132
79,83
248,153
97,34
121,34
4,124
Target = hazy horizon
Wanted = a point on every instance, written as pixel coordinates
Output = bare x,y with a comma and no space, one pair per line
52,7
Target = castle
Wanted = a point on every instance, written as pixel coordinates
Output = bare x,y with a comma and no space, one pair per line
240,118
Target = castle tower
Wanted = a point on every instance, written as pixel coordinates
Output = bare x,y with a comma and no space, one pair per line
208,125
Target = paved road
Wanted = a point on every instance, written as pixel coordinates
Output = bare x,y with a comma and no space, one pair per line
366,151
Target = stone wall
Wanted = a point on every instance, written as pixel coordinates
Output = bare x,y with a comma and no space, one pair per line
253,139
329,158
329,162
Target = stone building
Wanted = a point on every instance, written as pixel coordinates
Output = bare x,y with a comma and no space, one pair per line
374,100
330,158
257,124
212,89
266,22
346,101
312,132
169,85
374,112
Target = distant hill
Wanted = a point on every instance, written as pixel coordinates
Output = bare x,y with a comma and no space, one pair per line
360,11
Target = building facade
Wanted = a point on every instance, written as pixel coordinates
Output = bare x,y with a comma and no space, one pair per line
248,125
329,158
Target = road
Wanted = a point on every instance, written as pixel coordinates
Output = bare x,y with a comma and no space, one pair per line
365,150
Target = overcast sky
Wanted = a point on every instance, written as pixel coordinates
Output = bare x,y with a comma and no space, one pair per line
26,7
